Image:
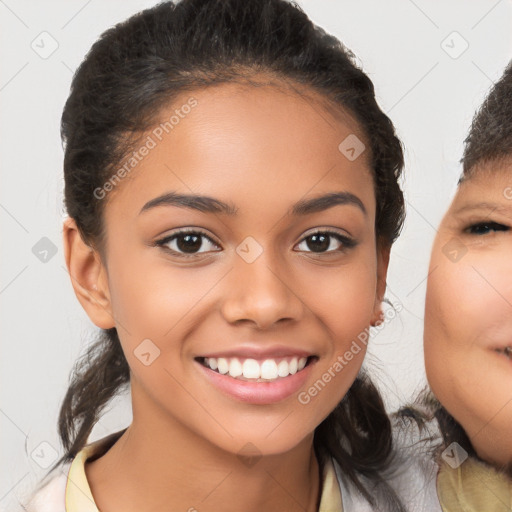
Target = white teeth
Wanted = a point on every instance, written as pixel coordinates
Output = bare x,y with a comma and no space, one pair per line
267,370
282,369
251,369
235,368
222,364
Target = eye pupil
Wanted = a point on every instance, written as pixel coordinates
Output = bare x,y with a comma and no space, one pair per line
191,243
318,238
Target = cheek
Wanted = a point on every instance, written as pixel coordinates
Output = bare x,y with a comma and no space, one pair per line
348,303
342,311
153,301
446,338
342,297
465,300
467,303
151,295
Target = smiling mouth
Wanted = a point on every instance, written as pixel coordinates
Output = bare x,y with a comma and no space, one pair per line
267,370
507,351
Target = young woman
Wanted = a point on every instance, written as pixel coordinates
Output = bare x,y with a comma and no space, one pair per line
468,319
232,191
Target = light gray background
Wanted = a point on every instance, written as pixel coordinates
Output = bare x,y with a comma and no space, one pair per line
429,95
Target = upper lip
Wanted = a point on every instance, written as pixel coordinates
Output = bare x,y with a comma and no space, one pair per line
272,352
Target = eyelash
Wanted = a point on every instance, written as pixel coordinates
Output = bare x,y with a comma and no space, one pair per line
347,242
491,226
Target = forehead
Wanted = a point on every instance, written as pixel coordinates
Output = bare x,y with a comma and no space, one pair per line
245,141
488,187
486,176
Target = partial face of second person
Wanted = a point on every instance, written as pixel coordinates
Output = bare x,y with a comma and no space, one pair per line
262,151
468,316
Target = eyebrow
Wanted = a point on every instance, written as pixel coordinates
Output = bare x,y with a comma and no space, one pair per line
211,205
506,210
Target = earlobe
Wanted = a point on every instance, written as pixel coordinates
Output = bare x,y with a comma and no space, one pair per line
88,276
383,251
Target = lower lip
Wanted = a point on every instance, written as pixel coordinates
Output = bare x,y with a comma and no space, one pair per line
258,392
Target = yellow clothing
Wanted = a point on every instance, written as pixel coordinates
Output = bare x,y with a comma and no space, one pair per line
473,487
79,497
69,491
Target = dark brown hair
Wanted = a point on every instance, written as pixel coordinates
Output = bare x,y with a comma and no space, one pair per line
438,426
490,134
140,66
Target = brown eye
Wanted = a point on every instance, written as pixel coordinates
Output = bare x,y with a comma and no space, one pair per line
189,242
186,243
321,241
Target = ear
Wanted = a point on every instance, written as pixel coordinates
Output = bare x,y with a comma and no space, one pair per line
383,250
88,276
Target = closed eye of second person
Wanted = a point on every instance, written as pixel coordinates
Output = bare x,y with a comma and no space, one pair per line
484,228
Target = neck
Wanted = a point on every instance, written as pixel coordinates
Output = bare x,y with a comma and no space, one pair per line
159,464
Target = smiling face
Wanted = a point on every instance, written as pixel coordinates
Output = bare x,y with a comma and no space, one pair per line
468,316
273,284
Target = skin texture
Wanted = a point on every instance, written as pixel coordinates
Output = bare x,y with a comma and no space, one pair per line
468,311
262,149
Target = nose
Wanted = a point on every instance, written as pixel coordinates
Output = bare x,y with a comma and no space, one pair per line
260,294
